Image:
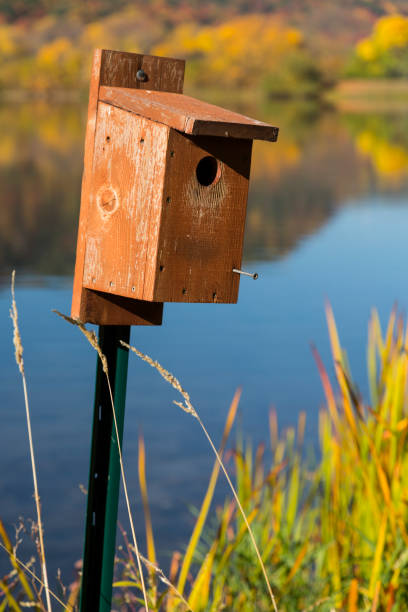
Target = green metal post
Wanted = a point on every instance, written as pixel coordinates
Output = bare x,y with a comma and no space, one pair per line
104,475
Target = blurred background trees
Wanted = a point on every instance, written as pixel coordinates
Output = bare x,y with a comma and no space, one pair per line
271,48
385,52
256,52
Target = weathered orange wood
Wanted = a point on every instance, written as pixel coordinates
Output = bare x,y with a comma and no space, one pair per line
202,226
125,204
187,114
154,232
164,193
79,297
114,68
119,69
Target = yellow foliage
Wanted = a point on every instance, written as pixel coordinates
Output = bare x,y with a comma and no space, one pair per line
59,135
54,52
366,49
8,44
125,30
269,162
57,64
294,37
389,159
8,149
96,35
238,52
389,33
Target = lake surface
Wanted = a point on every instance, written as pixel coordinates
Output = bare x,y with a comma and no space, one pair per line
327,219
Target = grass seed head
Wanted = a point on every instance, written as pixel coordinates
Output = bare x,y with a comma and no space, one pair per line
18,346
89,335
169,377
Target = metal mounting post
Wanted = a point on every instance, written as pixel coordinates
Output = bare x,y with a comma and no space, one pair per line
104,475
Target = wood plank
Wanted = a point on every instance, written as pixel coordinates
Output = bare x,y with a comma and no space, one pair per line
154,231
202,225
187,114
119,69
127,184
113,68
101,308
78,307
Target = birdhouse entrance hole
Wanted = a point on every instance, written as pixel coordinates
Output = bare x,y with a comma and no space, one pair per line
208,171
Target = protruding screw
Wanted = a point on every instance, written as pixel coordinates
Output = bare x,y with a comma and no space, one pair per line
141,75
253,275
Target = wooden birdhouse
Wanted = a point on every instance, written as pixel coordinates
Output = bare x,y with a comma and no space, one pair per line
164,193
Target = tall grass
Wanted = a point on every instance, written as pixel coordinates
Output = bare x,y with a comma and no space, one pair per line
188,407
364,474
18,347
331,526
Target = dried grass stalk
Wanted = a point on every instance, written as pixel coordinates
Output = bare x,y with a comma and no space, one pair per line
36,578
161,575
18,346
189,408
93,340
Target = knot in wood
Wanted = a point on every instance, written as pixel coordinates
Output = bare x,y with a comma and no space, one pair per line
107,200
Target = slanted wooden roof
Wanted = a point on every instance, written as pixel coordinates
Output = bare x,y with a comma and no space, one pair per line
187,114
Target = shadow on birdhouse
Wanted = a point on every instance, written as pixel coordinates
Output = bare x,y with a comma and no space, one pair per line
164,193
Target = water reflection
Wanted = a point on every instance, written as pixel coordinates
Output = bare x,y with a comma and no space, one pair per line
322,162
322,159
384,140
40,173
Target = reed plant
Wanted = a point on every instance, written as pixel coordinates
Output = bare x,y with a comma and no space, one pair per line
363,474
331,526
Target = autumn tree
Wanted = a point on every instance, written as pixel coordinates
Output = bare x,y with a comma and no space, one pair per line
256,52
239,52
385,52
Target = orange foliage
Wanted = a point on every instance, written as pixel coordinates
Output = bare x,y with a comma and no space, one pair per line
239,52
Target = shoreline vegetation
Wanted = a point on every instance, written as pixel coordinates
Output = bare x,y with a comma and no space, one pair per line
347,95
331,528
370,95
269,55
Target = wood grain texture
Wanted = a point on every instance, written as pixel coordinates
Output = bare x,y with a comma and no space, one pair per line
164,194
154,232
113,68
126,194
78,296
187,114
202,226
118,69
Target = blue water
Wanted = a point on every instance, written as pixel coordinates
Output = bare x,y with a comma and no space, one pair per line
356,261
